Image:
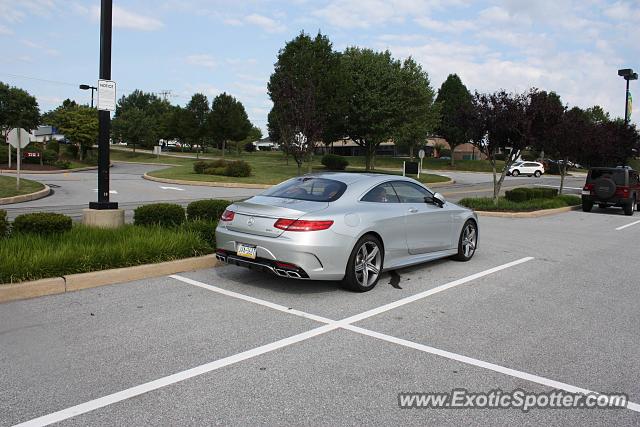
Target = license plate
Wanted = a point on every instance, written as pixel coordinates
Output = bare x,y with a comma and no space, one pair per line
246,251
586,192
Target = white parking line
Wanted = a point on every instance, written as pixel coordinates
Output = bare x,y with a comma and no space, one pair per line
481,364
330,325
172,188
628,225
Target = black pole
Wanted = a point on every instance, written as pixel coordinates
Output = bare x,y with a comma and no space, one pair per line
104,118
92,89
626,103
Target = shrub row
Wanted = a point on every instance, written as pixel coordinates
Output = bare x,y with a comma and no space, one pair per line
43,223
504,205
334,162
172,215
235,168
523,194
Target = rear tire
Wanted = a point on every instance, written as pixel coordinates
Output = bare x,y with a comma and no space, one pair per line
515,173
629,207
537,174
365,264
587,206
468,241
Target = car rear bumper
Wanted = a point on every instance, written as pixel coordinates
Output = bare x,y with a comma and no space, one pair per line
613,202
317,255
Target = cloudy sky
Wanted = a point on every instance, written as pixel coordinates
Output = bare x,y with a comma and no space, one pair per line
184,46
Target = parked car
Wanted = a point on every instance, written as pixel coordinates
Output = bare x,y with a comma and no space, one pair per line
607,187
526,168
344,226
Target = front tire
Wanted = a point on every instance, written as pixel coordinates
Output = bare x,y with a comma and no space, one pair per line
587,206
365,264
515,173
467,242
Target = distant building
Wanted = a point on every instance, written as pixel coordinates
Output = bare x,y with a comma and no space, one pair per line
47,133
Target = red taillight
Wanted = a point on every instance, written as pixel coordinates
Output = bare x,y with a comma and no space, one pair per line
227,215
622,192
301,225
588,187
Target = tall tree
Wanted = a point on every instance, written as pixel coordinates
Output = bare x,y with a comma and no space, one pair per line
456,113
420,115
79,124
140,119
199,107
182,125
305,90
373,88
17,109
228,120
505,126
596,114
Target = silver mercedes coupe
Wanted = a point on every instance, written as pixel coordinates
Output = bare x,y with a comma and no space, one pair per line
344,226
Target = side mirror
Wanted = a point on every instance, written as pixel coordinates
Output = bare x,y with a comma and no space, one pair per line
436,199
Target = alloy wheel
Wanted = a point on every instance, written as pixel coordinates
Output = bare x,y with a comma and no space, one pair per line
469,239
368,263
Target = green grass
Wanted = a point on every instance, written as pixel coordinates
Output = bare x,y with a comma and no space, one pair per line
8,186
634,163
504,205
30,257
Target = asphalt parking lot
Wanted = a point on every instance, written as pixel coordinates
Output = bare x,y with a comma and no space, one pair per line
546,303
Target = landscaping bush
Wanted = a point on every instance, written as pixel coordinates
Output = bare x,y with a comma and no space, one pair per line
49,157
249,147
4,224
159,214
209,210
445,152
504,205
42,223
53,145
334,162
238,168
91,157
523,194
206,230
71,150
62,164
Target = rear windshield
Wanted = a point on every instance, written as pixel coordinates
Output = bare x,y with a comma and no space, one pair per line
616,174
308,188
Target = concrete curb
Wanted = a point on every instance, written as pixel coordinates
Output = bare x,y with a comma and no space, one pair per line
205,183
26,197
440,184
533,214
74,282
145,163
23,171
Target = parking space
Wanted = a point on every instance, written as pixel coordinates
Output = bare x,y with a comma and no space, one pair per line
546,303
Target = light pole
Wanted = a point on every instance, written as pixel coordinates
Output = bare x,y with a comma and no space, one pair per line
87,87
627,74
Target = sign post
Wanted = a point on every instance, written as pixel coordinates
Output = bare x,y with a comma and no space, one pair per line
18,138
421,155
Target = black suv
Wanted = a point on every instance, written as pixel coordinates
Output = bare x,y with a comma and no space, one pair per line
618,186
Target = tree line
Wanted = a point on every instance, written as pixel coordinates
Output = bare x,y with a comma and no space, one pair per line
322,95
141,119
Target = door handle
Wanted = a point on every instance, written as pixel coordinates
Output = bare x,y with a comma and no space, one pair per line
413,210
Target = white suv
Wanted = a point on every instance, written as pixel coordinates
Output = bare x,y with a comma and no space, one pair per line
526,168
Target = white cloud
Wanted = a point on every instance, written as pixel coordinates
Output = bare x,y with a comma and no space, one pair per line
40,48
124,18
266,23
367,13
202,59
5,31
454,26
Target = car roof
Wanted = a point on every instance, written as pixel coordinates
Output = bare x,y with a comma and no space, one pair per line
352,177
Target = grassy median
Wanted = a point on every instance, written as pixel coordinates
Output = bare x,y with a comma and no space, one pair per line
505,205
8,186
83,249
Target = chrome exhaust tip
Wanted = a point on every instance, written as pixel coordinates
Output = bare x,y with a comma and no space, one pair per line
293,274
221,258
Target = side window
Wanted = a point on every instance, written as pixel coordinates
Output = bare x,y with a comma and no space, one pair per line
383,193
531,165
410,193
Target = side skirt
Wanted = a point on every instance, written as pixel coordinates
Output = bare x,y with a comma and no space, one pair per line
410,260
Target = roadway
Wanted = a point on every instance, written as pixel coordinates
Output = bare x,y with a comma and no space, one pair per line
73,191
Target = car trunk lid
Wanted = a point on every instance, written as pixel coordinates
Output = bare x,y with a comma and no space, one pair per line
258,214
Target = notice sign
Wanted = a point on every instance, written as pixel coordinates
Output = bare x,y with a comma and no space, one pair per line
106,95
